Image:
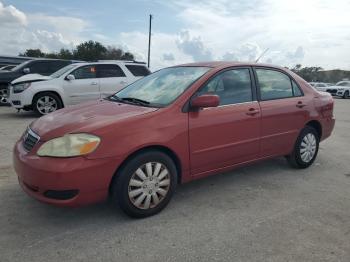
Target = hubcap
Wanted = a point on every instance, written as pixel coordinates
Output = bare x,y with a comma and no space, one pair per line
308,147
149,185
46,104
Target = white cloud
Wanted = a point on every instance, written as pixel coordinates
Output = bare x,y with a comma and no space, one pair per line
314,32
21,31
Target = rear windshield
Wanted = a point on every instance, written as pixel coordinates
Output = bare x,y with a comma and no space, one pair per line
138,70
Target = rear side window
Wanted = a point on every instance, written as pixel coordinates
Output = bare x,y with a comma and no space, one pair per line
109,71
296,89
232,86
138,70
274,84
85,72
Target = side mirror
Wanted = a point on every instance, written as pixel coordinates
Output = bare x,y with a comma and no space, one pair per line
70,77
205,100
26,70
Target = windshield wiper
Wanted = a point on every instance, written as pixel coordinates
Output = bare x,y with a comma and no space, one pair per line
135,100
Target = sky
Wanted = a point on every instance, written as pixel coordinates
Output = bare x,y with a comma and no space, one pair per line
307,32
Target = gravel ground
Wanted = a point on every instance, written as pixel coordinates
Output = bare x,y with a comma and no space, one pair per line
264,212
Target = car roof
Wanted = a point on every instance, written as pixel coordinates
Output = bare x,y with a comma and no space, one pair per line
224,64
117,62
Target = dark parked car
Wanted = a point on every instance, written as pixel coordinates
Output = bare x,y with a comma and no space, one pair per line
173,126
37,66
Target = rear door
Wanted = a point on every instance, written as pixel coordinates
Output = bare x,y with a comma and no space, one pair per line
84,87
112,78
284,111
228,134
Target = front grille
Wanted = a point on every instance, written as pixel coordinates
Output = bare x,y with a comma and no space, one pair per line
16,102
332,91
30,139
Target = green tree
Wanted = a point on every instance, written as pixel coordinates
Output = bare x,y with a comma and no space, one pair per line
33,53
90,51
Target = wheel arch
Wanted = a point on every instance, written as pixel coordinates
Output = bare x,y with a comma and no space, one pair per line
48,91
317,126
160,148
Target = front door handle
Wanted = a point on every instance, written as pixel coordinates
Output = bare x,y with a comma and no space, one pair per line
300,104
252,112
123,82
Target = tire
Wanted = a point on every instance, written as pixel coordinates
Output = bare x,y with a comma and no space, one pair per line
46,102
307,143
138,196
346,94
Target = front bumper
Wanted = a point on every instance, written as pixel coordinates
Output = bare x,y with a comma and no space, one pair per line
80,180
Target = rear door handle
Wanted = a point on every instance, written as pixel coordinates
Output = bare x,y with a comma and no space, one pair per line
93,83
252,112
300,104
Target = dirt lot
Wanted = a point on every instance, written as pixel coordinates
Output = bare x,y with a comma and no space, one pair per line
265,212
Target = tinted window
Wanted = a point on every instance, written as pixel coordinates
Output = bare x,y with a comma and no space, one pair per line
296,89
233,86
109,71
57,65
274,84
138,70
40,68
85,72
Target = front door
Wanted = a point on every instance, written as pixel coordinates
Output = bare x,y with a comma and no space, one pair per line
228,134
84,87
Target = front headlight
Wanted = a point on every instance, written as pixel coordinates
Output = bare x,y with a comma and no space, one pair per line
69,145
19,88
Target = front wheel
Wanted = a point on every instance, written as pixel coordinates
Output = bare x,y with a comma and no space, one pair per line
346,94
305,149
45,103
145,184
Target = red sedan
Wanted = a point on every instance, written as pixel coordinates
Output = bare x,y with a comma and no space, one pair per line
173,126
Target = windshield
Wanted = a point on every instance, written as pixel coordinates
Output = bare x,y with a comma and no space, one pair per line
62,71
343,84
162,87
22,65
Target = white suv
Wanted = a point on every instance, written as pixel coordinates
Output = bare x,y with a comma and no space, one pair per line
341,89
73,84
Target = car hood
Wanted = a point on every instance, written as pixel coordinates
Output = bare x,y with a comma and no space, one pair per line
87,117
30,78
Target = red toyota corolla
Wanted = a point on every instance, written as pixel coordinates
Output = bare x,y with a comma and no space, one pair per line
173,126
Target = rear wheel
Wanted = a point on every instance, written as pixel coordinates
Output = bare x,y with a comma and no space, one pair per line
145,184
46,102
305,149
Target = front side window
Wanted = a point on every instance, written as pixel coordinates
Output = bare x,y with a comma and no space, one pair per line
109,71
274,84
85,72
162,87
232,86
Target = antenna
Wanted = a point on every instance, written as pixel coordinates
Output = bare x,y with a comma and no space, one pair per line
263,53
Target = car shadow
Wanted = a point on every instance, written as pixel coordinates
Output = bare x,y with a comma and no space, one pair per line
185,196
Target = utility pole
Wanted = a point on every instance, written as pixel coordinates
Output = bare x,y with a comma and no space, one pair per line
149,39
